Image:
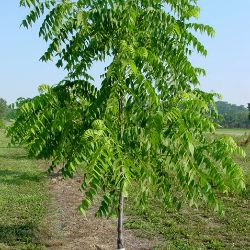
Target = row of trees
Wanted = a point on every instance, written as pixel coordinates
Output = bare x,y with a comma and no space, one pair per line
233,116
146,127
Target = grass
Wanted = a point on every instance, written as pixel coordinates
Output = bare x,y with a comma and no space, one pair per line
191,229
22,198
232,131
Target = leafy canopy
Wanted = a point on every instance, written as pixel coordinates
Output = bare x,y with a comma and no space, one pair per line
148,124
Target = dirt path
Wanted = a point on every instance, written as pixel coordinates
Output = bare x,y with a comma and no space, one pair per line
68,229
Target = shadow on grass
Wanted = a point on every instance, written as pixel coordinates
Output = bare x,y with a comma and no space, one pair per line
12,147
14,157
18,177
13,234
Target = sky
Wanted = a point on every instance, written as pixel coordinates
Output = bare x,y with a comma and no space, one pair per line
227,63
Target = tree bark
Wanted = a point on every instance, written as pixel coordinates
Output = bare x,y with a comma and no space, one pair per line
120,239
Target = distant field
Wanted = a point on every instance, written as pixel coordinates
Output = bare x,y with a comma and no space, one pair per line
22,198
233,131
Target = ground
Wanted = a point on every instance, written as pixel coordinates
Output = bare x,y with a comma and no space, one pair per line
38,211
71,230
23,193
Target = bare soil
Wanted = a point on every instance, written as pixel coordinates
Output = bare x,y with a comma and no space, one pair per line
67,228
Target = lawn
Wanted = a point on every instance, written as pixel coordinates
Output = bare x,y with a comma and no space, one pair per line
22,198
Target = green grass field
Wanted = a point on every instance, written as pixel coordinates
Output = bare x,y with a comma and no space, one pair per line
232,132
22,198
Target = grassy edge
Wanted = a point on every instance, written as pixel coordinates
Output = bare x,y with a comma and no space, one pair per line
23,198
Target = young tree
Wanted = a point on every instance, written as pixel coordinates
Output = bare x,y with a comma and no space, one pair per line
147,125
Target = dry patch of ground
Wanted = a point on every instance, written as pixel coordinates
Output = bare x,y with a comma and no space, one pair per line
68,229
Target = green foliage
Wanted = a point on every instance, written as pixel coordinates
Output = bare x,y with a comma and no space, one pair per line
148,121
233,116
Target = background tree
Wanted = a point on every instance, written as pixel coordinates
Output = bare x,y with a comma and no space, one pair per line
3,110
232,116
11,112
3,107
146,126
7,112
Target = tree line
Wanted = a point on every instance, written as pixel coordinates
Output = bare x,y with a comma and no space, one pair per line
7,111
232,115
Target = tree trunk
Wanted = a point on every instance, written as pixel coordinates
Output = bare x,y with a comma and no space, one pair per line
120,239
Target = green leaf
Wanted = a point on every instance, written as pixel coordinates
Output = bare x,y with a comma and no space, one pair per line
191,148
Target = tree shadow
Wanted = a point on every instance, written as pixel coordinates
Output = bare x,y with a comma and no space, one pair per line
17,177
14,157
10,147
12,234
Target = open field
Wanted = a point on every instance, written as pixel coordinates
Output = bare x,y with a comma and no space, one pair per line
232,132
23,216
